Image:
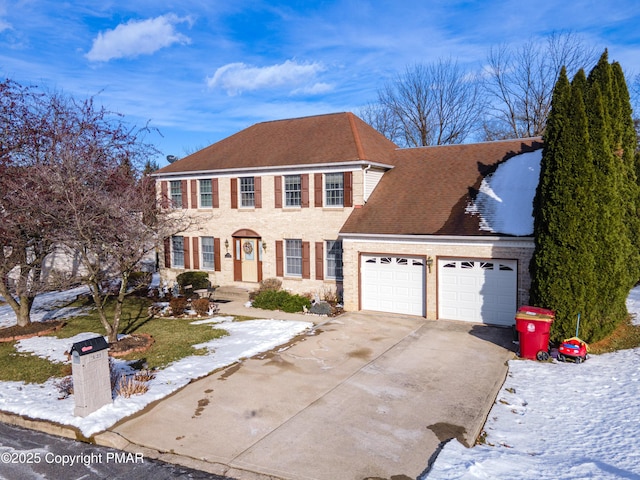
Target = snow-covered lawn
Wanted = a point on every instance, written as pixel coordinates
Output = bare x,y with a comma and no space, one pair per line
558,420
550,420
245,339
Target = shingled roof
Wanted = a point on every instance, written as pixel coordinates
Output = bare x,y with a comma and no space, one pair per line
320,139
428,191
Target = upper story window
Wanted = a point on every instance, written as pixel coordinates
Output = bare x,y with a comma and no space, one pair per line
176,193
334,189
177,251
292,191
206,194
247,192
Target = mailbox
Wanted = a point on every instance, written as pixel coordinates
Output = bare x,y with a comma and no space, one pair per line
91,375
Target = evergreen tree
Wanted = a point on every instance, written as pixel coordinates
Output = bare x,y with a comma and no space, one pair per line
627,141
586,206
562,268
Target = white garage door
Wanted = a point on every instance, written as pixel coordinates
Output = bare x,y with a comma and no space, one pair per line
393,284
482,291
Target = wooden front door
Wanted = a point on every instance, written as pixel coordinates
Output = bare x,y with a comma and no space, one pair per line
247,261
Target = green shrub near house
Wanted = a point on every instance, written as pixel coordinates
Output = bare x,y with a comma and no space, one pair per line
280,300
197,279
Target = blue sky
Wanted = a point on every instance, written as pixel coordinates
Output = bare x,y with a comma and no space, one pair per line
202,70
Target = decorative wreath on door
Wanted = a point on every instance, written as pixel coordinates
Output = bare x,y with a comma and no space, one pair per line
247,247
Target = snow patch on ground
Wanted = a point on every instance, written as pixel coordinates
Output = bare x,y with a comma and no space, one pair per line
47,306
558,420
42,401
549,420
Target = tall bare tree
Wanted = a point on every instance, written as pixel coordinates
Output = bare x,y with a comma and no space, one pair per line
26,215
69,179
429,104
107,211
382,119
519,83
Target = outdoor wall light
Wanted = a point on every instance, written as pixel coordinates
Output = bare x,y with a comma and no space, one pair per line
264,246
226,244
429,263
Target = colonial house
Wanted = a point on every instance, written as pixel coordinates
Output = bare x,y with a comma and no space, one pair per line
328,203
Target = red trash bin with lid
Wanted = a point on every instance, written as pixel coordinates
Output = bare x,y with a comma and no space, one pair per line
533,325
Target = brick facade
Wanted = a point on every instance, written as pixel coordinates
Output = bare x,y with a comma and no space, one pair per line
272,222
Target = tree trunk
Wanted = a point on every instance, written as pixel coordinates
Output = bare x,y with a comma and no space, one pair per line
24,312
117,314
21,307
100,299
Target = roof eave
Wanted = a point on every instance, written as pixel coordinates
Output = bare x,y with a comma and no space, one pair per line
306,166
477,239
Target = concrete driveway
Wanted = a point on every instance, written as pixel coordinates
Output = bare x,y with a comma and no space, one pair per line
364,396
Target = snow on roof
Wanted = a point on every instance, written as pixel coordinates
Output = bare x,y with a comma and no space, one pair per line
505,199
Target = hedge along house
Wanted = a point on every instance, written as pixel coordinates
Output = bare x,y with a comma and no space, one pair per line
328,203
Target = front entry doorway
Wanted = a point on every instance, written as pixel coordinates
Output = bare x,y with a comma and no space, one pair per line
247,258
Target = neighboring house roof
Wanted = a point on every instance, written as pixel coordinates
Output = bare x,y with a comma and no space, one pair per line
431,189
320,139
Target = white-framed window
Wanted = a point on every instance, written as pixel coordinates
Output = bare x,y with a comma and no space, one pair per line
177,251
247,192
334,259
206,247
334,189
293,258
176,193
292,190
206,194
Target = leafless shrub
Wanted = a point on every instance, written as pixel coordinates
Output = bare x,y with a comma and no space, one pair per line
329,295
144,376
128,386
201,306
178,305
65,387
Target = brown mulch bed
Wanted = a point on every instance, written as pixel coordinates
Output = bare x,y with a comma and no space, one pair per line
131,344
34,329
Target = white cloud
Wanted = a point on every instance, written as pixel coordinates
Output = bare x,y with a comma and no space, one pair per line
315,89
235,78
137,37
